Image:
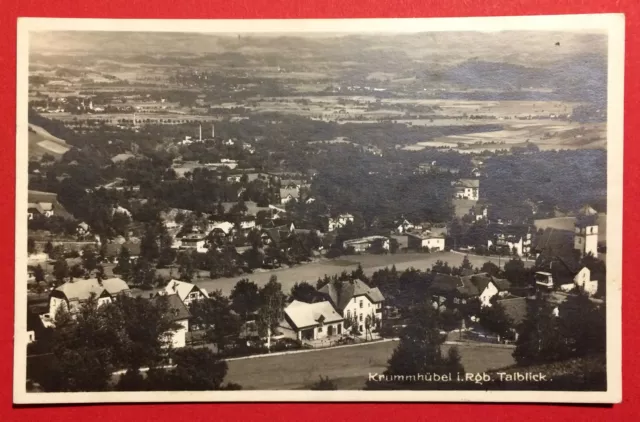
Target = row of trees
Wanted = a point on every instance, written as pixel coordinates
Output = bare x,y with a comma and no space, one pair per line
128,334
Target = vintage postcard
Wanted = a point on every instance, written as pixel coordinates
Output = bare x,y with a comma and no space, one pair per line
319,210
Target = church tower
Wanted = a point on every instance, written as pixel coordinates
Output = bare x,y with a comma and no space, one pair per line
585,238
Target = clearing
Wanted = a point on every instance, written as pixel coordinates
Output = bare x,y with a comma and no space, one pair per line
348,367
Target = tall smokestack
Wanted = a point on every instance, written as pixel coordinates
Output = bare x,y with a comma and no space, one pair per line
200,133
213,131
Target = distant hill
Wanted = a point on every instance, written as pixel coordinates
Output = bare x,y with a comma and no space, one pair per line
42,142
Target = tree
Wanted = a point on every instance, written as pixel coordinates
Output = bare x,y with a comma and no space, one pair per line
324,384
48,249
214,315
143,274
76,271
515,272
89,259
582,324
38,273
196,370
540,340
490,268
123,267
494,319
419,352
466,264
187,266
31,246
61,270
304,292
149,244
245,298
441,267
82,358
272,302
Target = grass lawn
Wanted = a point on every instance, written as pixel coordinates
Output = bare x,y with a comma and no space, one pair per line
349,367
312,271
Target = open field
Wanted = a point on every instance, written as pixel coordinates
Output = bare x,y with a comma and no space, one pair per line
311,272
42,142
463,206
349,367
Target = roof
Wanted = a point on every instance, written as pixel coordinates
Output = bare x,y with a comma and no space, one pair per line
367,239
568,223
427,234
515,308
340,294
121,157
284,192
304,314
176,307
181,288
468,183
83,288
445,284
501,283
481,281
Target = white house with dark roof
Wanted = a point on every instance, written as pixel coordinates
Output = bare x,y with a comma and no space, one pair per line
72,294
187,292
425,239
355,301
312,321
467,189
490,287
179,315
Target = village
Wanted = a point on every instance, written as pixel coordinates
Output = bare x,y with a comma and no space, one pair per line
514,263
292,215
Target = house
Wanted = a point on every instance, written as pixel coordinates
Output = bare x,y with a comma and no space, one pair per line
479,212
341,220
82,229
194,241
179,315
582,282
224,226
586,235
451,291
425,240
544,279
312,321
511,239
433,166
363,244
403,226
467,189
490,287
356,302
72,294
289,194
44,209
120,210
187,292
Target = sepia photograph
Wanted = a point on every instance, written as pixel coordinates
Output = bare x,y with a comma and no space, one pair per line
319,210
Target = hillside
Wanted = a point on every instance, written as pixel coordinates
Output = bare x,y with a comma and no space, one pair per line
42,142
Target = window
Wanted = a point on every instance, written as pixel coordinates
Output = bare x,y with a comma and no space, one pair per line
361,317
348,314
320,329
368,304
360,304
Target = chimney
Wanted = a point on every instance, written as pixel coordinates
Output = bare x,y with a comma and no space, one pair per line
213,131
200,133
